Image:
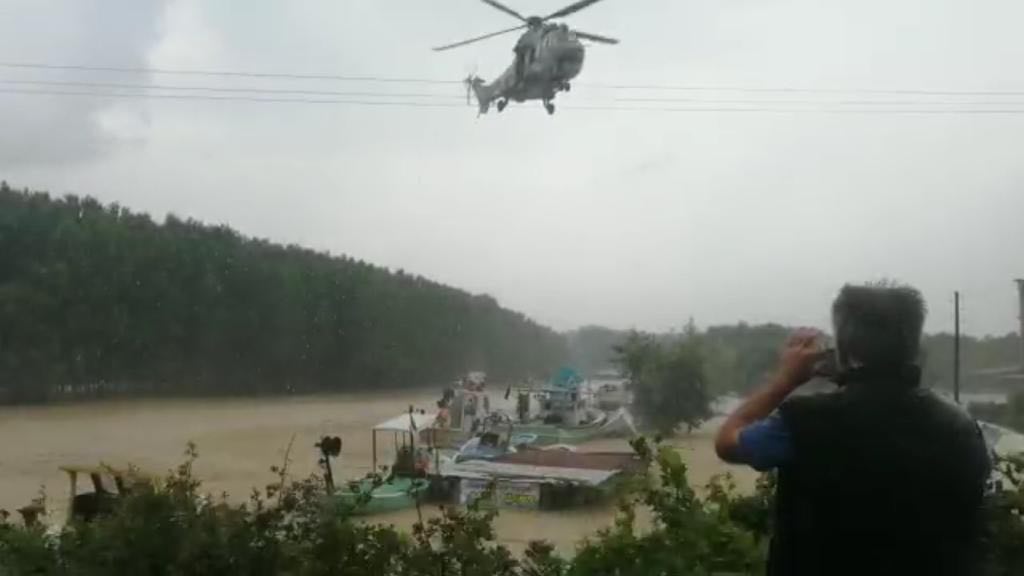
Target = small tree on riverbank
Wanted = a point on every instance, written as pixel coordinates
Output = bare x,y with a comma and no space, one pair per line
668,380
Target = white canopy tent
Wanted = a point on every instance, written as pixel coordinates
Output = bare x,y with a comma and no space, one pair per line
406,424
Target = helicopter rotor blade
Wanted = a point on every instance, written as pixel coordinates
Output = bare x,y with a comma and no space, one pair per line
479,38
570,9
595,37
505,9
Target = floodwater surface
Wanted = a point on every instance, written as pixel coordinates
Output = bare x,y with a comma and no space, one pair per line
240,439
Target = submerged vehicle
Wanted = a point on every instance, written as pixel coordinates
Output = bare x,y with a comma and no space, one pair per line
611,390
109,485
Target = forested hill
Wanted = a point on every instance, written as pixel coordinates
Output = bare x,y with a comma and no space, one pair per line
96,299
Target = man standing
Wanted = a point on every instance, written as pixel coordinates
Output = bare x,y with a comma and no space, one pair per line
878,477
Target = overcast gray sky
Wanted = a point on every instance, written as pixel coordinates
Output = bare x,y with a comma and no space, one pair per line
619,217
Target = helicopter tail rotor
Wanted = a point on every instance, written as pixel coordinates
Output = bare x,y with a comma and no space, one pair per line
479,88
469,87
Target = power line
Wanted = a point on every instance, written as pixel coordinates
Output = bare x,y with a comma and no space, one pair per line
871,102
214,97
387,79
879,91
937,111
119,85
378,94
415,104
225,73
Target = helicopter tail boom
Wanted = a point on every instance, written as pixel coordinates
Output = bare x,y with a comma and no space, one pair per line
484,94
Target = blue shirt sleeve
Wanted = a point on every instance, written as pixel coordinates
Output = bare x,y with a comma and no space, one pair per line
765,444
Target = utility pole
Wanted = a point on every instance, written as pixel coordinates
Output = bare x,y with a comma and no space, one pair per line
1020,317
956,347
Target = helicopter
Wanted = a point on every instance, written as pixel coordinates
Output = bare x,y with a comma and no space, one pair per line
548,56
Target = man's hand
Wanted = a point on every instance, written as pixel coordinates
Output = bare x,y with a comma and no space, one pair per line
796,363
796,366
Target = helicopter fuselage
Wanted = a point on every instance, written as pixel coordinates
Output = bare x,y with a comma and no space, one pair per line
553,55
547,58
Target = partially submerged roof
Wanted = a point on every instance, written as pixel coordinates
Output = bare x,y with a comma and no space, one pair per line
485,469
405,422
585,468
104,469
569,459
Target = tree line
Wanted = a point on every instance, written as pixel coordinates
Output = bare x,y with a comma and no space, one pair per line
96,299
737,357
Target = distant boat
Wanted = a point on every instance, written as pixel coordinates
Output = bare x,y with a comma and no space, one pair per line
559,412
603,425
396,493
564,412
405,484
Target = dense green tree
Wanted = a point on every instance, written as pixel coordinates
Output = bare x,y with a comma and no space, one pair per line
668,380
98,300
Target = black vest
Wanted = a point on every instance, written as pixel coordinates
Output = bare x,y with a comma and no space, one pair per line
886,479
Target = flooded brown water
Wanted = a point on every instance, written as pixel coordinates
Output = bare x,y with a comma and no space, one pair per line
240,439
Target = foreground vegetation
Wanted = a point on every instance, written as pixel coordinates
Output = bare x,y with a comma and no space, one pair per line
1009,414
97,300
172,529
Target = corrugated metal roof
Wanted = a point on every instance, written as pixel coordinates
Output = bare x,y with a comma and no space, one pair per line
569,459
487,469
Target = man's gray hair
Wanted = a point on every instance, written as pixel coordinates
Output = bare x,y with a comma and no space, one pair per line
878,324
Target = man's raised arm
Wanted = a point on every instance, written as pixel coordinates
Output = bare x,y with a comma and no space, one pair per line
796,366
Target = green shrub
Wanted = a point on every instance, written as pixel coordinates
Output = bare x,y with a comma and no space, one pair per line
172,529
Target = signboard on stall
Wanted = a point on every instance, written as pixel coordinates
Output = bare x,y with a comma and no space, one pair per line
506,494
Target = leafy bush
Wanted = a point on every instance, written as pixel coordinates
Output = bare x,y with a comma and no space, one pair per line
172,529
691,535
1004,519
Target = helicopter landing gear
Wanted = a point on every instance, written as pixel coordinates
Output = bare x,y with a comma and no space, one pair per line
501,104
549,106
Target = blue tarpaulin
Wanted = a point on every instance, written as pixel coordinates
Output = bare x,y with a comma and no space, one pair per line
567,378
